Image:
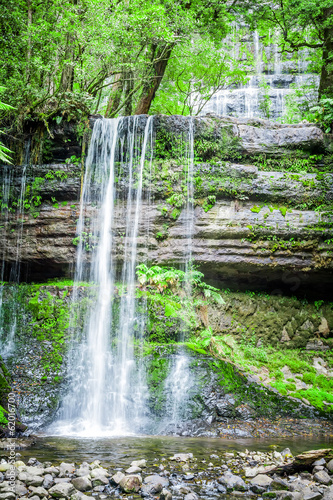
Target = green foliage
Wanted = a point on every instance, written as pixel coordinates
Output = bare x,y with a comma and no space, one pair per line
3,418
4,152
323,113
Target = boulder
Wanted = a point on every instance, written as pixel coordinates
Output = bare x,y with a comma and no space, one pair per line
117,477
232,482
165,495
130,483
82,483
328,493
182,457
62,490
154,484
322,477
139,463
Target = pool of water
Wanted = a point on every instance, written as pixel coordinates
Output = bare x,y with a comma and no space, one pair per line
121,451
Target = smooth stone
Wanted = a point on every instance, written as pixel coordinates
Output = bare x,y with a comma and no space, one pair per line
322,477
80,496
51,470
289,495
20,490
322,461
9,495
39,491
58,480
191,496
35,471
262,481
182,457
309,494
99,472
232,482
82,483
133,470
279,484
34,480
299,484
61,490
118,477
328,493
48,481
329,466
97,481
165,495
4,467
66,469
82,471
131,483
154,484
139,463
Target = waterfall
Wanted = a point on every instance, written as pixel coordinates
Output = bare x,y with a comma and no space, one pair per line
107,392
280,76
179,381
8,326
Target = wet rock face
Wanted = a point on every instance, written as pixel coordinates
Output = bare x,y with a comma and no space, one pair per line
248,208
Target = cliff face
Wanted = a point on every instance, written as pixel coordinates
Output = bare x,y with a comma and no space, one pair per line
254,226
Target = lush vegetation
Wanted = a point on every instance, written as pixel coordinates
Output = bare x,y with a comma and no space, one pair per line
67,59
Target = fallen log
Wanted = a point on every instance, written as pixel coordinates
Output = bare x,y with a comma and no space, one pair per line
302,462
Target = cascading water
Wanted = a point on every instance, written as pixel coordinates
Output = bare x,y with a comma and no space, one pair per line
8,326
107,393
178,384
273,81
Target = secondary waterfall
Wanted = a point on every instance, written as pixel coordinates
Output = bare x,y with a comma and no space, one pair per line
107,393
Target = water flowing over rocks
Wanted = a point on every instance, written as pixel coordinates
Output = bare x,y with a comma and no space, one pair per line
220,242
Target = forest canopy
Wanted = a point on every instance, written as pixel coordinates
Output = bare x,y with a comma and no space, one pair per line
70,58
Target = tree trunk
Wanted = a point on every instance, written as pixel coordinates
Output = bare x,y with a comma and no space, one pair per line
129,94
150,88
67,75
303,462
326,77
115,96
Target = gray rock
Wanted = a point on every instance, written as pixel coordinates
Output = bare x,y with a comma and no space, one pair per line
118,477
310,494
322,477
20,490
8,495
289,495
139,463
131,483
35,481
191,496
328,493
165,495
329,466
51,470
133,470
62,490
39,491
322,461
261,480
154,484
48,481
66,469
58,480
279,484
232,482
82,483
182,457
